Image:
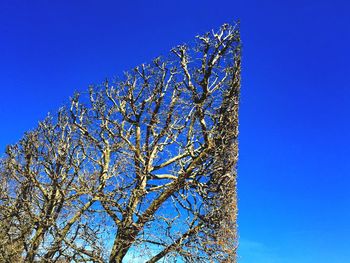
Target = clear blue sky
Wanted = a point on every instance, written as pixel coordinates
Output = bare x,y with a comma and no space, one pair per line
294,168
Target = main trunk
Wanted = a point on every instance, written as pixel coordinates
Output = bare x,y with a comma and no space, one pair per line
38,238
125,238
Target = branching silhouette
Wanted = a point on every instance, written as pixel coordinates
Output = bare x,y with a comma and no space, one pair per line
143,166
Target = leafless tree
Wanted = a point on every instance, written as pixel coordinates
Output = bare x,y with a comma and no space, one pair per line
141,167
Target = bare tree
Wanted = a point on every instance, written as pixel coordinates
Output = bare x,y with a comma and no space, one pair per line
141,167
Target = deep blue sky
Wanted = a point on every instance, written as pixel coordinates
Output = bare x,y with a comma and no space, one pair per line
294,183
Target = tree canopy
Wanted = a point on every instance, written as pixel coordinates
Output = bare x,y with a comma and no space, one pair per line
143,166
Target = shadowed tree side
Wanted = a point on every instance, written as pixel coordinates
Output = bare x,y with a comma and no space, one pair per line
144,166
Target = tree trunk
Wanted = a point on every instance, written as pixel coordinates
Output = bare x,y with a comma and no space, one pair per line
125,238
35,245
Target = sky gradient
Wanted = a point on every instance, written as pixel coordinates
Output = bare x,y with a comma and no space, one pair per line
294,198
